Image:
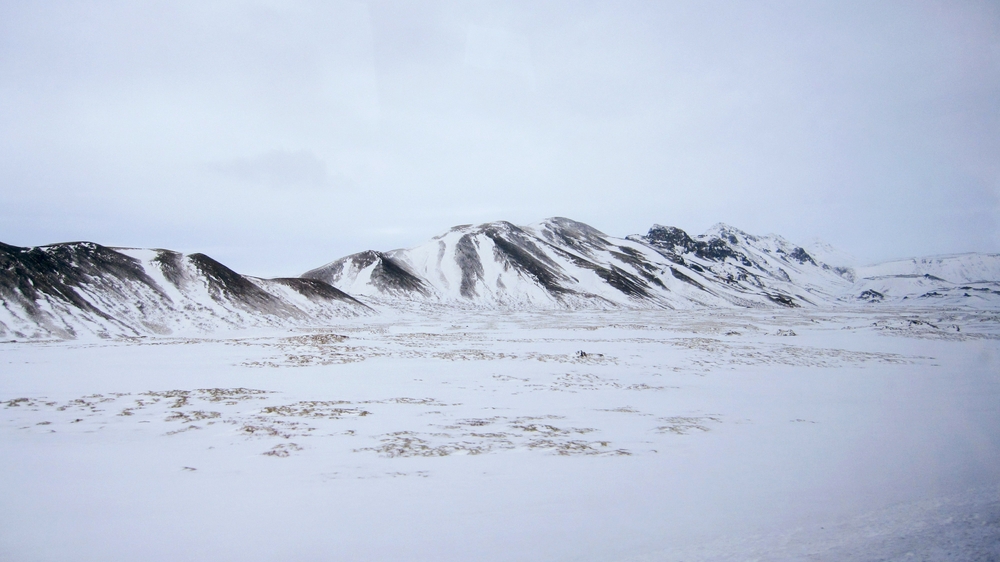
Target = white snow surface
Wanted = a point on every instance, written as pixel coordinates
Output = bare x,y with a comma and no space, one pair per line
861,433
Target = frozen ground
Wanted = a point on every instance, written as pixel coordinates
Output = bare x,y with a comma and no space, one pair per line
705,435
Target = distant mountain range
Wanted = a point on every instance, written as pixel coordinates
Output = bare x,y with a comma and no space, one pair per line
561,263
72,289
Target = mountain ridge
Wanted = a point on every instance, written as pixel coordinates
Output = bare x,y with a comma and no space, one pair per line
72,289
562,263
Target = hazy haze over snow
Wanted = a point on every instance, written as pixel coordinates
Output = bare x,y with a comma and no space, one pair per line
277,136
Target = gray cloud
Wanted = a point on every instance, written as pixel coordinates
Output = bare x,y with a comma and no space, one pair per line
280,169
873,126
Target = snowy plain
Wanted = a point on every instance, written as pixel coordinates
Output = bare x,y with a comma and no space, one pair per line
864,433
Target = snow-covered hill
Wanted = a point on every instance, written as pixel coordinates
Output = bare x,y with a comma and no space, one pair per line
72,289
958,279
560,263
954,268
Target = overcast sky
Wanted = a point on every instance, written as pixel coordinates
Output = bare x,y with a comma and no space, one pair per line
278,136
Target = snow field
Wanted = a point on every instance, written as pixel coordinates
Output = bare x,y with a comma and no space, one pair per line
487,436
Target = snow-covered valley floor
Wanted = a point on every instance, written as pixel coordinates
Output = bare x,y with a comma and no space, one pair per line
866,434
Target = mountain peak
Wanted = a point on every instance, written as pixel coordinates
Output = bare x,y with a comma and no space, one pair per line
671,236
566,224
727,232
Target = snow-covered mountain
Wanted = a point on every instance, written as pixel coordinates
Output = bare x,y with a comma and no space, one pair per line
78,288
950,279
561,263
955,268
66,290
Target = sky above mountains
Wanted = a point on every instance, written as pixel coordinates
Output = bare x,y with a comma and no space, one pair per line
277,136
